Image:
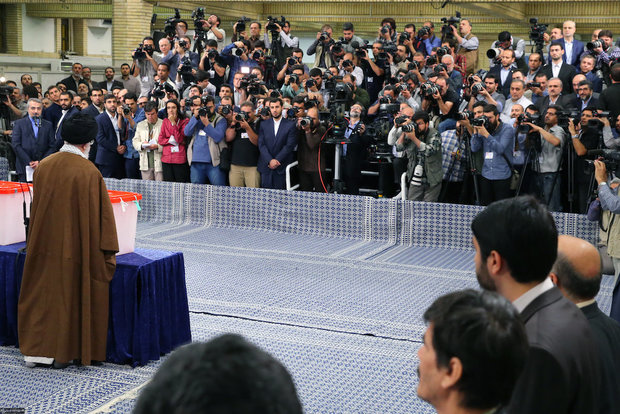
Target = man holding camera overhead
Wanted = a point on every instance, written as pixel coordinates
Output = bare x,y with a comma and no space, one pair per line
321,47
145,65
181,50
468,45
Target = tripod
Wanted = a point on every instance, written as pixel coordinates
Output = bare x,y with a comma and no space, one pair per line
473,171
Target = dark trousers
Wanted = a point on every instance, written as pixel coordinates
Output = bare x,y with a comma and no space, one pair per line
311,181
178,173
116,170
452,192
493,190
272,179
132,168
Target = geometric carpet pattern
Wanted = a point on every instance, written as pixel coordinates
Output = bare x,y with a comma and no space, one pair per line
333,286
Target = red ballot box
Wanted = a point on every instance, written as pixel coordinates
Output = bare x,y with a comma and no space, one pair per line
126,206
12,198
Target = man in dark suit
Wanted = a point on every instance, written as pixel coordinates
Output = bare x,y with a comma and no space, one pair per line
277,138
559,69
54,111
68,111
585,96
555,96
33,139
110,141
573,48
577,273
503,72
94,109
516,245
110,83
72,82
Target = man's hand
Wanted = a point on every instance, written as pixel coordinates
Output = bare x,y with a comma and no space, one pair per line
571,127
153,146
600,171
121,149
204,120
604,120
273,164
34,164
481,130
437,96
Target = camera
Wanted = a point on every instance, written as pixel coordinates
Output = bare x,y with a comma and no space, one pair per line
310,83
226,109
275,94
183,43
418,173
170,24
204,111
238,51
212,54
324,36
442,51
424,31
241,116
431,60
241,24
272,24
337,46
402,87
142,50
534,85
257,54
481,121
465,115
404,36
198,16
385,29
494,53
5,92
292,61
252,84
266,112
347,63
126,110
428,89
537,32
594,45
610,158
311,103
476,88
159,91
410,128
292,112
186,69
401,120
304,122
446,30
293,79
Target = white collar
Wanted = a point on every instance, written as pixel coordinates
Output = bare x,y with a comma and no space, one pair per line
72,149
528,297
582,305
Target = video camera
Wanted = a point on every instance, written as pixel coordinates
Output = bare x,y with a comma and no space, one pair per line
537,33
272,24
5,92
159,91
198,16
428,89
594,45
142,50
241,24
170,24
424,31
252,84
610,158
446,30
387,48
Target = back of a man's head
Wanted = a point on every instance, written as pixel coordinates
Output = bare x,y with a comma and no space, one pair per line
523,232
480,346
226,375
577,269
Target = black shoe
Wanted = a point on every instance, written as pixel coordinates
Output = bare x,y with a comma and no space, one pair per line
60,365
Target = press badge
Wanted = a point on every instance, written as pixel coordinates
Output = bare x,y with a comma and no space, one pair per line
202,133
488,155
174,149
245,135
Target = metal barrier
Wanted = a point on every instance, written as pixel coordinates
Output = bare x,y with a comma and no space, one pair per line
289,167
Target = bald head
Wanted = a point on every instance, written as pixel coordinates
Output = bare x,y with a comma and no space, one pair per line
577,269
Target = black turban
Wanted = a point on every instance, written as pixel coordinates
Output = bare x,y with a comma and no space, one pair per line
79,129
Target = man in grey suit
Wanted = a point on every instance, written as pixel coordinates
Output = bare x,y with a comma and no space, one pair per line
33,139
577,273
516,245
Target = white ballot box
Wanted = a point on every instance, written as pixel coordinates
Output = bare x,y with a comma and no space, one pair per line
126,206
12,198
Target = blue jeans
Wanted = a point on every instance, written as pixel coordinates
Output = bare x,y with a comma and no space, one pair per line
446,125
547,185
203,172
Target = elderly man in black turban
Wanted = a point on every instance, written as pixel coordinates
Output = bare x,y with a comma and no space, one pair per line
70,261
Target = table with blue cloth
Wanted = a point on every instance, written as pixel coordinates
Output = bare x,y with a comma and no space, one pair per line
149,314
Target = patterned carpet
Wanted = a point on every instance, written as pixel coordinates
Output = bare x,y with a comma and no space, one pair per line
334,286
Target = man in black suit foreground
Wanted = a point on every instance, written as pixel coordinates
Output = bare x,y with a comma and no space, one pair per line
516,244
577,273
474,349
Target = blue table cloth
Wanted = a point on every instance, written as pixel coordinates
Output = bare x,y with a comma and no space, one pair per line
149,314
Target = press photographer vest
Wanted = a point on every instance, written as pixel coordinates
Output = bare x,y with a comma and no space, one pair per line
471,57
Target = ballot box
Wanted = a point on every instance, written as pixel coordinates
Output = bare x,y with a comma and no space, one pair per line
13,197
126,206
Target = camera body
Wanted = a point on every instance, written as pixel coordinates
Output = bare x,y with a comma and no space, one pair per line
273,22
428,89
537,32
476,88
424,31
305,121
241,24
481,121
446,30
226,110
324,36
594,45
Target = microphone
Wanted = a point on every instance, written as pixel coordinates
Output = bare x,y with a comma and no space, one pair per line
37,121
355,44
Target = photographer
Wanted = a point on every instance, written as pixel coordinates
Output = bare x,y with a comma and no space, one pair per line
163,85
348,65
292,83
585,136
422,145
181,50
609,99
207,130
212,24
496,139
145,65
213,64
358,95
398,61
131,115
538,88
203,81
609,202
454,76
548,169
488,93
308,141
321,47
240,59
468,45
348,34
444,102
242,137
429,39
373,70
289,43
317,86
354,151
387,31
505,41
289,63
603,50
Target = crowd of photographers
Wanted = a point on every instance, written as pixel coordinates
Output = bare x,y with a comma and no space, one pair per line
238,110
